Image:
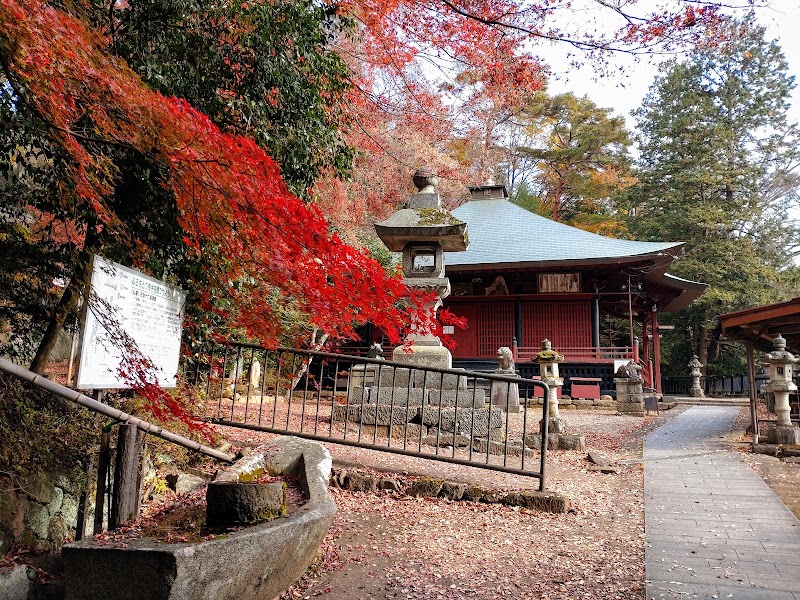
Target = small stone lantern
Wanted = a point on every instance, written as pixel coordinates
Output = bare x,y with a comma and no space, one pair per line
780,363
695,365
423,232
548,360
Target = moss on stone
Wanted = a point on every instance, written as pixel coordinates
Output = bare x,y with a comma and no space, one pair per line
436,216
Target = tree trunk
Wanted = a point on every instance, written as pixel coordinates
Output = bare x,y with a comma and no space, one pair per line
67,304
315,345
702,348
557,192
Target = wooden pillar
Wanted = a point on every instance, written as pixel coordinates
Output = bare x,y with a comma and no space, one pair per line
645,349
751,374
518,322
596,323
656,349
103,462
125,497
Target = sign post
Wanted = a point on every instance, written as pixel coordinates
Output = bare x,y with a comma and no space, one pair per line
126,308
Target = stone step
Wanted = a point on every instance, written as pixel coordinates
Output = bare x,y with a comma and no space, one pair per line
397,396
418,378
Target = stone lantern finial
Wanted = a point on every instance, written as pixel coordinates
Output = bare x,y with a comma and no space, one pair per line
695,362
425,180
779,342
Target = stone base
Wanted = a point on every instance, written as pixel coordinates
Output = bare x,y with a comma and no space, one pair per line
555,425
785,434
634,409
420,355
231,504
505,396
401,377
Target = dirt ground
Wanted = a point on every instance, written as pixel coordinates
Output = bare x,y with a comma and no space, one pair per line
386,545
782,477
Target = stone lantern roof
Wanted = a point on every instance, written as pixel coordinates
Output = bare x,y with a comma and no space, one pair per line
423,220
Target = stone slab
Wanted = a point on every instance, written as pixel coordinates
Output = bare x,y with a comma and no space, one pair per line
476,422
409,431
462,398
397,396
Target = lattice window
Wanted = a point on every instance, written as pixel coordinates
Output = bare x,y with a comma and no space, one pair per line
538,322
575,325
565,324
495,327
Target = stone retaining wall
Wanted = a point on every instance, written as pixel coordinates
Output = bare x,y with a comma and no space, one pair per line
41,512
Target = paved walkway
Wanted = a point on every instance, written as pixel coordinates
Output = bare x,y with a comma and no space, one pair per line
714,528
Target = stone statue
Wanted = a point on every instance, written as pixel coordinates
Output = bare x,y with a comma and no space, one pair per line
505,395
375,351
505,360
630,371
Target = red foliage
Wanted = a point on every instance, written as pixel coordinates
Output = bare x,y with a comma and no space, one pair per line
265,244
231,197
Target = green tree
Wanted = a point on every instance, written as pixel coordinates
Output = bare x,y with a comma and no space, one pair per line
717,170
580,151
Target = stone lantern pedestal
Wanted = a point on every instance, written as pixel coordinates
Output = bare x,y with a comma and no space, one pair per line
781,384
630,395
696,391
505,395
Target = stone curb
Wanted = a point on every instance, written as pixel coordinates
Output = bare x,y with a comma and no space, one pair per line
430,487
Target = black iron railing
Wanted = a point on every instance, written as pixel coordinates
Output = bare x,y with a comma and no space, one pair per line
713,385
450,415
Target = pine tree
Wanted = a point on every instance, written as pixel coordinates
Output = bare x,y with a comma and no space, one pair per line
717,170
580,151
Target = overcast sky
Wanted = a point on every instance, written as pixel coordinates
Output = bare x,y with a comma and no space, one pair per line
627,81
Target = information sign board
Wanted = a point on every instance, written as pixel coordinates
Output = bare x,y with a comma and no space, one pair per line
147,310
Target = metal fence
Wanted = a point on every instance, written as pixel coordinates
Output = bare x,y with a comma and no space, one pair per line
449,415
713,385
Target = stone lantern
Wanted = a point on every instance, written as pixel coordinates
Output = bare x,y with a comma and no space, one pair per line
423,231
548,360
695,365
780,363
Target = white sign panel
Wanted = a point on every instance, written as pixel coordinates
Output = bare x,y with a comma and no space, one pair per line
146,309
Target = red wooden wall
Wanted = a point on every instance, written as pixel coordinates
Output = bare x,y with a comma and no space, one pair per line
491,325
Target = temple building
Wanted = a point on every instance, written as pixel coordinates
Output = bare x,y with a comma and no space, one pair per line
525,278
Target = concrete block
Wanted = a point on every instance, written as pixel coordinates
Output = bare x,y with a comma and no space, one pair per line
248,564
